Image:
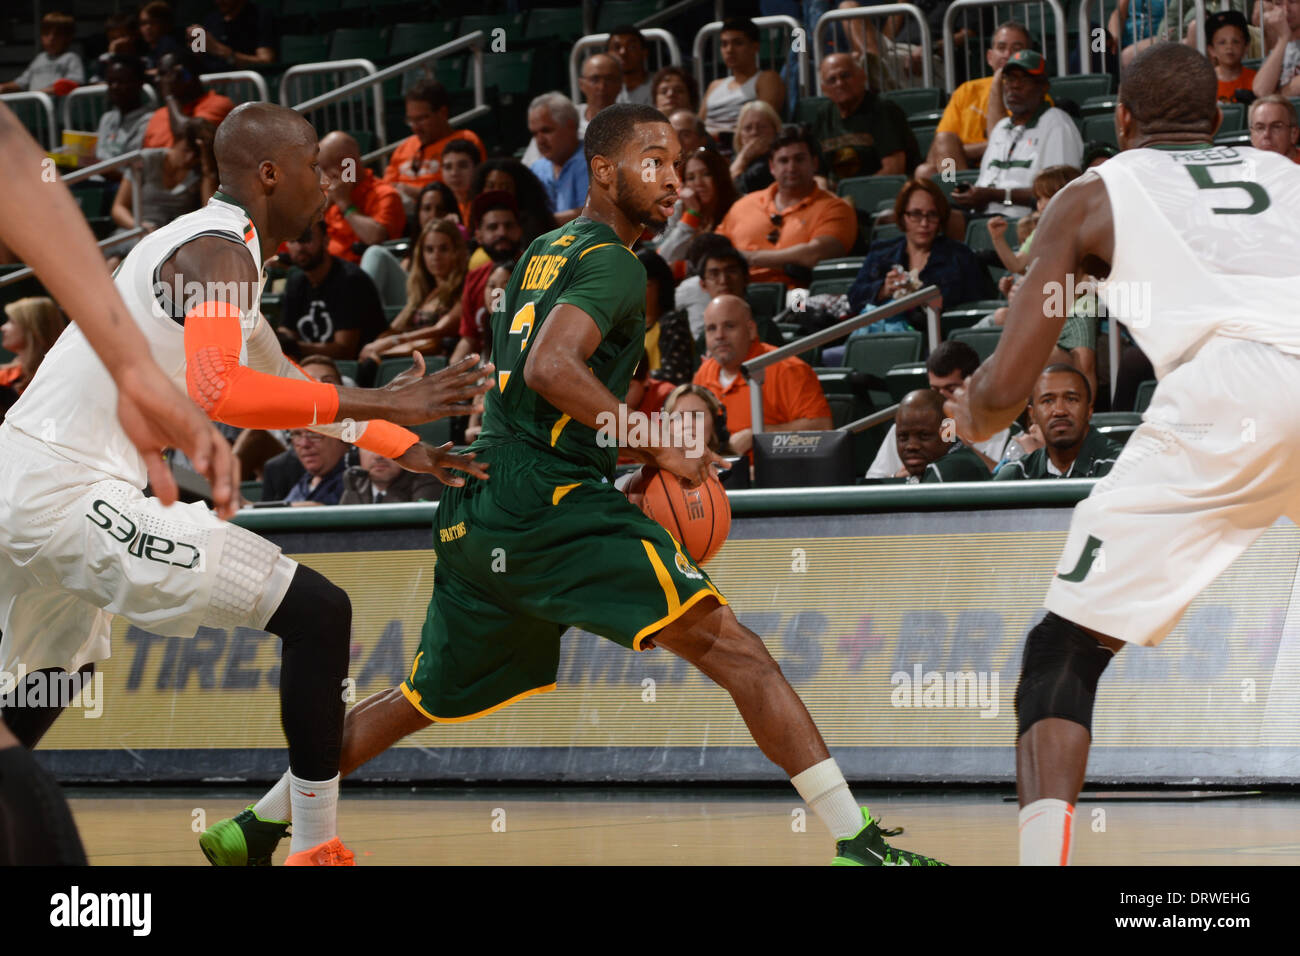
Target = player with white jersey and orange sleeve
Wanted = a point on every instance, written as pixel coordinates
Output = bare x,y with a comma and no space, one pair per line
1199,245
80,541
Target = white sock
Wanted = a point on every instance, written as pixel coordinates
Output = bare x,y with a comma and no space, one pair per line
274,805
823,788
1046,833
315,805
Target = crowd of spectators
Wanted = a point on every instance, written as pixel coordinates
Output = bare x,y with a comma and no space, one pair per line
414,254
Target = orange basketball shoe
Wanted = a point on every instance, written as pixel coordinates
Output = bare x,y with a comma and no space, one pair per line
330,853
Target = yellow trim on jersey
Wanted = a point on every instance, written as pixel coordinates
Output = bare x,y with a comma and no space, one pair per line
559,427
561,491
502,378
414,698
602,246
659,625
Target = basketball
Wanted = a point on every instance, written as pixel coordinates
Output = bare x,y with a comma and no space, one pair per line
699,518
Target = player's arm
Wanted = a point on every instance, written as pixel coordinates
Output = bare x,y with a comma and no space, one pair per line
42,224
1269,76
1076,225
556,369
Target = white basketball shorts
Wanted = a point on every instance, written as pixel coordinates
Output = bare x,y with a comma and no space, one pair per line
77,547
1214,463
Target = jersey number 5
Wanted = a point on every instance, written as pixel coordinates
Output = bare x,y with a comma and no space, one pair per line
522,323
1260,201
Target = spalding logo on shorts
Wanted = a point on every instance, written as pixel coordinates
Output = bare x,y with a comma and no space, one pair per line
152,547
684,566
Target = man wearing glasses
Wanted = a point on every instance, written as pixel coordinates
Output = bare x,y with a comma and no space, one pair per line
793,222
1272,123
323,457
860,134
417,160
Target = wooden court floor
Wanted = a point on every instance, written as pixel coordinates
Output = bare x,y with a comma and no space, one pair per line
612,826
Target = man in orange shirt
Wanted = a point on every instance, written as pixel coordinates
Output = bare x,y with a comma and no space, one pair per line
793,222
417,160
362,207
792,396
184,99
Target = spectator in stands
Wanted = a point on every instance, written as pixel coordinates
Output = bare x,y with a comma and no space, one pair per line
433,297
600,82
1061,406
793,222
264,454
363,209
121,38
185,100
668,345
121,127
31,327
324,461
751,159
379,480
717,268
1226,37
627,43
417,160
1032,138
690,130
386,271
237,35
962,134
692,399
459,159
56,70
488,289
1281,70
948,365
494,218
1046,185
860,133
330,307
673,89
744,81
792,396
1140,26
1273,126
562,168
157,28
172,182
706,196
512,176
928,452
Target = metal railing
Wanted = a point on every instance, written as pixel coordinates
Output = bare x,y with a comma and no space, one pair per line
240,80
658,39
881,12
667,13
473,42
754,368
91,102
44,110
1060,54
1173,24
342,112
789,25
133,159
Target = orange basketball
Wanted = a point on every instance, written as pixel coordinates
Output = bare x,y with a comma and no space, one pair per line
699,518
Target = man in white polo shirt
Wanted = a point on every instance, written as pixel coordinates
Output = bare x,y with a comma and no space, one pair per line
1032,138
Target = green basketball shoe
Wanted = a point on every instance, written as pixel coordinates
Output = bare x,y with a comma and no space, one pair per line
867,847
243,840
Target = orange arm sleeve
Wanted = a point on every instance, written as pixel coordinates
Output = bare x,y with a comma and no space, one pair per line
381,437
237,395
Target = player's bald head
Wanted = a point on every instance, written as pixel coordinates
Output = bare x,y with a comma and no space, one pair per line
1171,88
256,132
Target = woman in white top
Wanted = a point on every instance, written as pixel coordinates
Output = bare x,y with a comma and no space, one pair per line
745,81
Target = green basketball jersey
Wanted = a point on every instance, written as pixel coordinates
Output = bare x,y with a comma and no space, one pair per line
583,264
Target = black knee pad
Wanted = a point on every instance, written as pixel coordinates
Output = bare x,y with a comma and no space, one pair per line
313,606
1059,674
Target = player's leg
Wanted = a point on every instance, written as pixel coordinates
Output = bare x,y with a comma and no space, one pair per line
709,636
30,722
36,827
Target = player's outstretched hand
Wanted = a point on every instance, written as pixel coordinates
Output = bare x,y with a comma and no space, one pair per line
155,415
693,469
958,409
455,390
438,461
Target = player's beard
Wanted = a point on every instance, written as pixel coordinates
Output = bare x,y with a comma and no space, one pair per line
646,215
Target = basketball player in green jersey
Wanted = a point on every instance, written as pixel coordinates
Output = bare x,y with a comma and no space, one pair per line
549,543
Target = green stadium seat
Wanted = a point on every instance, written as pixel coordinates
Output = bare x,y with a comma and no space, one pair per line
877,354
1144,393
924,137
983,341
554,23
271,306
391,312
252,490
513,24
906,377
347,368
925,99
1080,88
434,433
1098,105
408,39
390,368
509,74
359,43
1234,117
615,13
1117,426
1100,128
978,237
958,176
304,48
838,285
766,299
365,139
967,314
848,266
806,110
867,192
883,232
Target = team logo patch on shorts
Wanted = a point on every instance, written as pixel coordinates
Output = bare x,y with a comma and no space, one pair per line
139,544
686,569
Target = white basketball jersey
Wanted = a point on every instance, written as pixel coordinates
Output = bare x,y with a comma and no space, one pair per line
71,403
1207,242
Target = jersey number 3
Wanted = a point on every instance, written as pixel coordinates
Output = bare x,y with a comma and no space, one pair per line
521,324
1260,201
